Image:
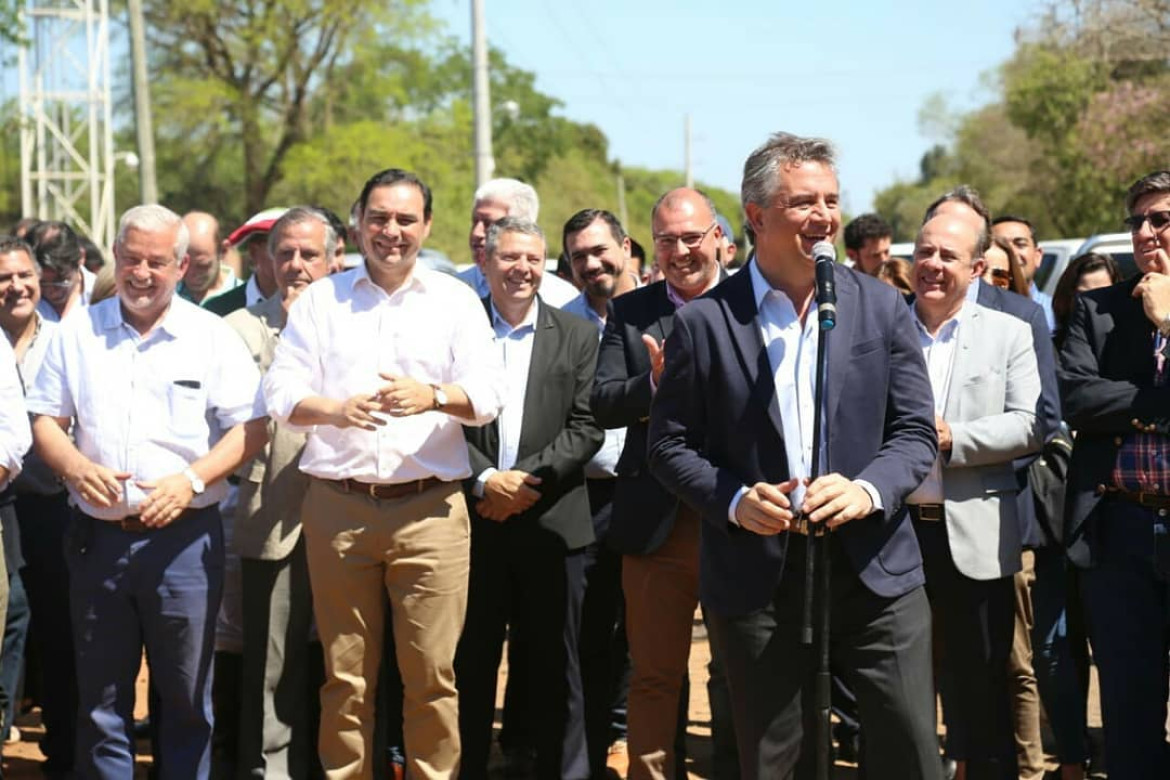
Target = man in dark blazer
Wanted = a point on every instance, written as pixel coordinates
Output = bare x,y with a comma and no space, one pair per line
530,513
1116,397
659,540
731,434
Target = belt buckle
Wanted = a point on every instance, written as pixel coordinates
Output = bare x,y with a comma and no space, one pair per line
372,490
799,524
932,513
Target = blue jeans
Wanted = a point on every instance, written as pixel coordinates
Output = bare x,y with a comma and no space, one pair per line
1127,596
160,589
1062,689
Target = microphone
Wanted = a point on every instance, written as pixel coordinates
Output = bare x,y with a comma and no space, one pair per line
824,258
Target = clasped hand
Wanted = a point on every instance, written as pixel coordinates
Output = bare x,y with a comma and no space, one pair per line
766,510
507,493
102,487
401,396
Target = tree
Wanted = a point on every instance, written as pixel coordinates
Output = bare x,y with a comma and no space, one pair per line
255,68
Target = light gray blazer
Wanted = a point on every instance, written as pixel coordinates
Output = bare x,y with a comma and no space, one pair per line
272,488
991,408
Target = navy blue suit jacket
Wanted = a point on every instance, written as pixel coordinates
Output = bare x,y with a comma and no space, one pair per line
1107,384
715,427
1048,409
643,510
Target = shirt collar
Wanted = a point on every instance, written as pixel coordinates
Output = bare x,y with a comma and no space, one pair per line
417,278
948,329
529,321
676,297
175,321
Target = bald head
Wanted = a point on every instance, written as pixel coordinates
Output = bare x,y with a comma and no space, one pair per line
947,259
203,269
686,241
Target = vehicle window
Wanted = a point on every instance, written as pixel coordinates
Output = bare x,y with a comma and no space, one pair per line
1047,263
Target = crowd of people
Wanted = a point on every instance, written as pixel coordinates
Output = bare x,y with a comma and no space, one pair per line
324,495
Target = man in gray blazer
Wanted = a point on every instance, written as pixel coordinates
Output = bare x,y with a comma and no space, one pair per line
984,375
278,734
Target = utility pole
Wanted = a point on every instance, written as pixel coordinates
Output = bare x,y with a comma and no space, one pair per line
485,164
147,181
687,152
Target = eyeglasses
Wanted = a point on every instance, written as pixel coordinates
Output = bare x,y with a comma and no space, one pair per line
665,242
60,285
1158,221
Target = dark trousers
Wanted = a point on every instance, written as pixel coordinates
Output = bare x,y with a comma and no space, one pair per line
15,623
282,670
1127,596
605,661
880,646
521,574
43,523
1060,653
975,621
160,589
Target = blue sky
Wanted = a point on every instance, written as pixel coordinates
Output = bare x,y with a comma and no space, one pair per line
856,72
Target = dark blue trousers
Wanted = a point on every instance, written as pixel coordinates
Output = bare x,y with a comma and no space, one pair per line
1127,597
159,589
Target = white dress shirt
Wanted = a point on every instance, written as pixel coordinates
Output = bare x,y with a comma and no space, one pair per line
602,465
147,405
344,330
940,363
15,436
792,354
88,280
34,356
554,290
514,345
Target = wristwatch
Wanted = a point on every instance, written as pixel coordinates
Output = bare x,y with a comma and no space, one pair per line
197,486
440,398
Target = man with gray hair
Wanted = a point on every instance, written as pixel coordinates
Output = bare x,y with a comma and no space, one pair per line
495,200
147,382
530,518
280,668
731,434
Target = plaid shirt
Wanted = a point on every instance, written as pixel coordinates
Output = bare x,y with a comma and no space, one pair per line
1143,460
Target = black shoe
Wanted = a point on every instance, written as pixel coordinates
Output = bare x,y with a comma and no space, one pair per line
950,768
519,763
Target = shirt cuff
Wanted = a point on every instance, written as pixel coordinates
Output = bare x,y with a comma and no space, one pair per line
874,495
480,481
734,504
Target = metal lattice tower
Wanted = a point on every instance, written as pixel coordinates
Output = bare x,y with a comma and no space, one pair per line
66,134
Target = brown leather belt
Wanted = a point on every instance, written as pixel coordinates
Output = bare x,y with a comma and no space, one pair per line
382,491
134,524
1148,500
930,512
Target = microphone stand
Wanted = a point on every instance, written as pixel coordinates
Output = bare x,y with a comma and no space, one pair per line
817,572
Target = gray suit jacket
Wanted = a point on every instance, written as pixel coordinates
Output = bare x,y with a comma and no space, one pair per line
272,488
991,408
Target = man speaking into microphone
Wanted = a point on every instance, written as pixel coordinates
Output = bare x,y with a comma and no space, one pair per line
731,432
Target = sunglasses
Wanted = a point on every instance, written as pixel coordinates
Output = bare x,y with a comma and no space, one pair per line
1158,221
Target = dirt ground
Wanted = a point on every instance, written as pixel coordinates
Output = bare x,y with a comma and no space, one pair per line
22,759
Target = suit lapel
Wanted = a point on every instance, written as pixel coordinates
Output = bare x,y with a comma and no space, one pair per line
665,323
545,346
962,365
744,324
840,344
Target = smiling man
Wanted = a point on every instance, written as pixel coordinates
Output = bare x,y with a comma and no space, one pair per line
731,434
658,538
146,382
384,364
530,521
983,372
1113,383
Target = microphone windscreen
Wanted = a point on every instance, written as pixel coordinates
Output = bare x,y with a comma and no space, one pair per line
824,251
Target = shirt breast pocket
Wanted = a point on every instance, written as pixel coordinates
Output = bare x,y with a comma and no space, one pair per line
188,410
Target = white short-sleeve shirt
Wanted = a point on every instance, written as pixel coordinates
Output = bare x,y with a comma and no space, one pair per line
147,405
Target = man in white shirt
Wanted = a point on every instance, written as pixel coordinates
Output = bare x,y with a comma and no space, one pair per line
207,276
495,200
383,364
986,386
148,382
